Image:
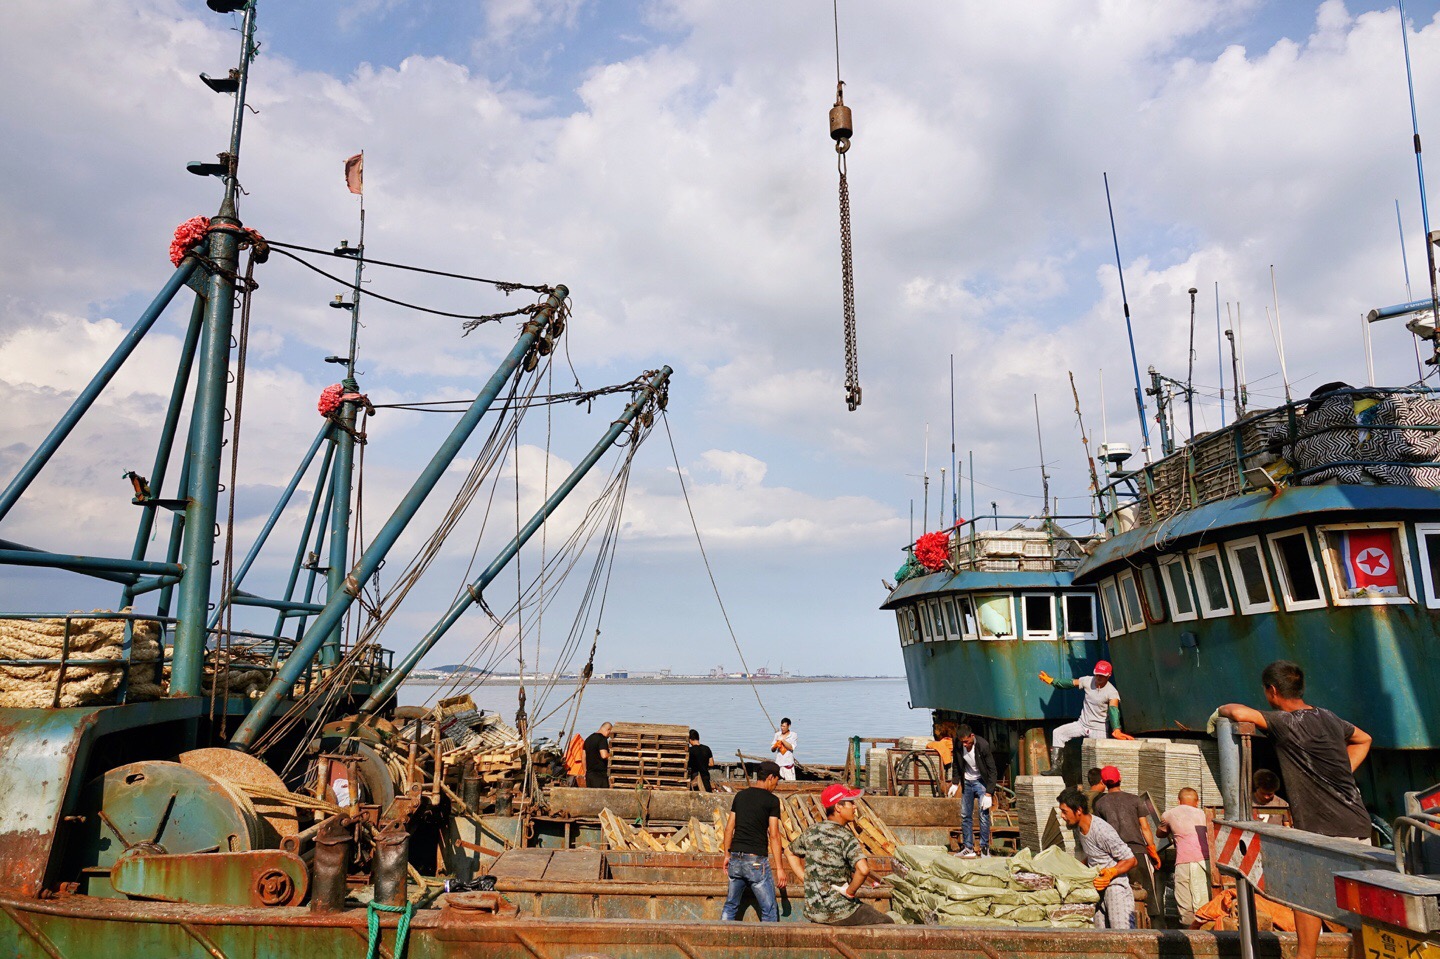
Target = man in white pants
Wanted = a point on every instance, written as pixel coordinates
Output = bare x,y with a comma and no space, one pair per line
1102,703
784,749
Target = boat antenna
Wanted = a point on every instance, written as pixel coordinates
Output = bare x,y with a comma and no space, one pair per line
1044,475
1240,347
1084,439
1104,417
1190,376
972,485
842,128
1409,296
1219,354
1129,331
1369,352
942,498
1234,371
925,483
954,462
1420,174
1278,332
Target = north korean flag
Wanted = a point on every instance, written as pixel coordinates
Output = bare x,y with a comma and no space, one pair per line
1370,561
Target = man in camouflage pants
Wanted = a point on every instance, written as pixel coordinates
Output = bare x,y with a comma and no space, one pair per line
834,864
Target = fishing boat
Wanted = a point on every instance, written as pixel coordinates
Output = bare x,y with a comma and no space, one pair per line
983,613
1305,532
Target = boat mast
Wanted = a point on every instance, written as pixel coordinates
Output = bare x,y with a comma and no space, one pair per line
222,246
1129,330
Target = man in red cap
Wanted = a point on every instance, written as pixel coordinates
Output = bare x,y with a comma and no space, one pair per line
834,864
1129,815
1102,701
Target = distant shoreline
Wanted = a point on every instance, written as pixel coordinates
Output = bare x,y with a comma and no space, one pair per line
640,680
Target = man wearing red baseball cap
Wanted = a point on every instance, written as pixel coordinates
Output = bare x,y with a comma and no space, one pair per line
1102,701
1129,814
834,864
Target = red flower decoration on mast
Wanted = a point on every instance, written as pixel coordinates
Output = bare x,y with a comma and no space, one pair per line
932,550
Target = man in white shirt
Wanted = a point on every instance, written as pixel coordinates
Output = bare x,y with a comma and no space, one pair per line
784,749
973,775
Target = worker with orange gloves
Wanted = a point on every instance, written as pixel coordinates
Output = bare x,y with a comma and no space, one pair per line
1106,851
1102,700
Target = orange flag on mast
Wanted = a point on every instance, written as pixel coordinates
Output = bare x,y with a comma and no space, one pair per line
355,173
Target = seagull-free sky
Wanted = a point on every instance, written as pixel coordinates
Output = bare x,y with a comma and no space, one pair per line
670,163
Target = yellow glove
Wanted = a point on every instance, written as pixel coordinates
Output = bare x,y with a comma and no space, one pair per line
1106,877
1046,677
1212,721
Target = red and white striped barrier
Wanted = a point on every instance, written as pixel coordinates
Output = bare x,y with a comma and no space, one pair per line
1239,848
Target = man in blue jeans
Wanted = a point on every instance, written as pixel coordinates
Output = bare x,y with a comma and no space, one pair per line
752,843
972,775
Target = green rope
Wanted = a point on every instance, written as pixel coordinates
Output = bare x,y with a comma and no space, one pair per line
402,928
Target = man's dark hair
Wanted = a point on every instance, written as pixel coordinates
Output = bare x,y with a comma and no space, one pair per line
785,721
1266,780
1075,799
1287,678
962,732
1094,776
694,734
767,769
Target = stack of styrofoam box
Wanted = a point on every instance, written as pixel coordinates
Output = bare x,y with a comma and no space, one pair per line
1166,767
877,770
1123,754
1034,802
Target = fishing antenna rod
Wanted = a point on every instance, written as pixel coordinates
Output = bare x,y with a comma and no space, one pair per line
1424,205
1235,374
1129,331
1278,332
1044,474
1084,438
1409,295
954,461
1219,354
1190,374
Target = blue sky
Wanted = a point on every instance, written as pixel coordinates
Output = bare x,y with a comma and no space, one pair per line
669,161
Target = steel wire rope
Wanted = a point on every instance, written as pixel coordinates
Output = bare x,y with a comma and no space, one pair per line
680,474
503,286
475,318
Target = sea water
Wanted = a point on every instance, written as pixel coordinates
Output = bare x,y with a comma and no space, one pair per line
824,715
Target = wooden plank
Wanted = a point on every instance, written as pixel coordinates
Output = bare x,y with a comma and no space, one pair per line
521,864
581,864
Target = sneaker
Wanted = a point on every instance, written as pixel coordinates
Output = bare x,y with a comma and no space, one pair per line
967,854
984,854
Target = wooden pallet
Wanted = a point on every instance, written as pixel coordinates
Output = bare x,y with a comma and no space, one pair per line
800,811
694,836
655,755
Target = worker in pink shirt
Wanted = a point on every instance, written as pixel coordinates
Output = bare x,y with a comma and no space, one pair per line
1185,824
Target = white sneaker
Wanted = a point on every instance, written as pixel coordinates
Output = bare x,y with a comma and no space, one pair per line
967,854
984,854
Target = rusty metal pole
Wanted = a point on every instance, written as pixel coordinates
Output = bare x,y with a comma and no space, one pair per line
391,872
331,866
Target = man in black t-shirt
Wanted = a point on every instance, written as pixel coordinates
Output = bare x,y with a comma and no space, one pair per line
701,759
1129,815
1319,753
597,758
752,843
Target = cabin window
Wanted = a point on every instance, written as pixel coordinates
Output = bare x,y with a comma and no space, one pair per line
1177,588
1130,601
1366,564
1114,618
912,624
1210,582
997,617
967,617
1039,616
1296,572
1150,595
938,618
927,628
1252,583
1428,536
903,627
954,626
1079,616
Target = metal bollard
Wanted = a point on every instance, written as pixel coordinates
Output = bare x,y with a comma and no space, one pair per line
334,847
391,871
470,787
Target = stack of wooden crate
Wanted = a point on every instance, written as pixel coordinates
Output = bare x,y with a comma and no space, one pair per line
654,755
799,811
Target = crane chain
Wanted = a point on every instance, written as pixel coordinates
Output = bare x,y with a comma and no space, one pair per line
852,364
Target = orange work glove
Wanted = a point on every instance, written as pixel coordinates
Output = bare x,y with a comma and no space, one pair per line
1106,877
1046,677
1121,734
1153,854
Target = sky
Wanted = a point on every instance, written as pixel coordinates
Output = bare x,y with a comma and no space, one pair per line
670,163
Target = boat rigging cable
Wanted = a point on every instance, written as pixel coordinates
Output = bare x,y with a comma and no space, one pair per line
842,128
680,474
1424,206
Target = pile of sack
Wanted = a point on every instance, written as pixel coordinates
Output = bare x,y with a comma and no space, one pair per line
1052,890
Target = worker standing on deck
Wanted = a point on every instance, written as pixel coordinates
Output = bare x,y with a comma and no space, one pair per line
1319,753
784,749
700,761
1106,851
834,864
973,777
1185,823
752,844
597,758
1102,703
1129,815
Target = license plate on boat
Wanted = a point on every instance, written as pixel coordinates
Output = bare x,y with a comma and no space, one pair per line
1383,942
